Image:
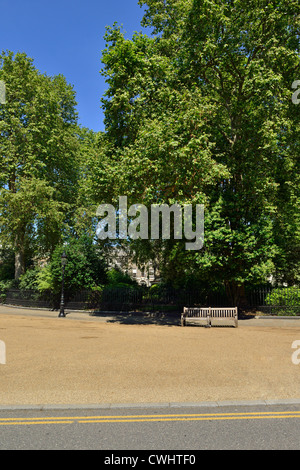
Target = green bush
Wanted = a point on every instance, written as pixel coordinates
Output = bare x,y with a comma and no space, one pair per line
4,286
45,280
29,280
85,269
284,296
155,291
116,278
284,301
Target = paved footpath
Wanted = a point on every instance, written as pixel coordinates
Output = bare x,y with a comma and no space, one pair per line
106,360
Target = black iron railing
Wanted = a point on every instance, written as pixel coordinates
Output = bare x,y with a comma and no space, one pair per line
279,301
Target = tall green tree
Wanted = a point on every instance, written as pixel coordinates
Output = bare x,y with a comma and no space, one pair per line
95,183
39,164
202,113
244,56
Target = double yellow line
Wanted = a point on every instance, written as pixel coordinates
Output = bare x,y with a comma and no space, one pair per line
149,418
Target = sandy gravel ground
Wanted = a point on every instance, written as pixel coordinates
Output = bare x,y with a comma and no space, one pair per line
89,361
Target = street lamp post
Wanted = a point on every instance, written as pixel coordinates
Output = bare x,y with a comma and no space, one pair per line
62,301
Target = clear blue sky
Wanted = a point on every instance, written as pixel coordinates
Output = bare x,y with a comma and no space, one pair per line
66,36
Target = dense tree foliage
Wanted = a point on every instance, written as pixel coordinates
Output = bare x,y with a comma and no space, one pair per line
197,112
202,113
38,167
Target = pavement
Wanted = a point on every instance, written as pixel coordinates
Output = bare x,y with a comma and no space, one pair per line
111,360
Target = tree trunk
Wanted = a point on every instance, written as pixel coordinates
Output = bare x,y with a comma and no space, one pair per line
19,264
236,293
19,256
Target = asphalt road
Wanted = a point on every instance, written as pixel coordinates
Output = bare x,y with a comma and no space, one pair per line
152,429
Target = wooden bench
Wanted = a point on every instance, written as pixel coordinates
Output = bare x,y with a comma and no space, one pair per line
210,316
200,315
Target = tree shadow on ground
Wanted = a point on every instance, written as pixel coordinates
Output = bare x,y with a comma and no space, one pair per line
140,318
167,319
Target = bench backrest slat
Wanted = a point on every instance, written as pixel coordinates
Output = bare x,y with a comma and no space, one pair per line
212,312
209,313
223,312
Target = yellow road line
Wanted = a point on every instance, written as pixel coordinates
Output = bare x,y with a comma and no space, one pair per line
139,420
33,421
150,418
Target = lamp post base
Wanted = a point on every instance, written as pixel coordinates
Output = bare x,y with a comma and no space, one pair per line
62,313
